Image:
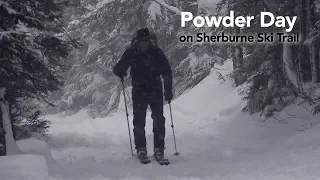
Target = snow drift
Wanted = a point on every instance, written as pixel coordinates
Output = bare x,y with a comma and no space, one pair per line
215,138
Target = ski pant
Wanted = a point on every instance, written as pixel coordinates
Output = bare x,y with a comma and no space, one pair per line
141,98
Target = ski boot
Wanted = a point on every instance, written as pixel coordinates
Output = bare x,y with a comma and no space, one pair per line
142,156
159,156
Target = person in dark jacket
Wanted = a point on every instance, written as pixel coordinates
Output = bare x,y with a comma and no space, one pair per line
148,64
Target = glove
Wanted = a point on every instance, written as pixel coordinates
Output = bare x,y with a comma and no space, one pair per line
120,74
168,96
123,75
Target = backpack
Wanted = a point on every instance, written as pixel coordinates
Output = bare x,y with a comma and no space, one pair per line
154,38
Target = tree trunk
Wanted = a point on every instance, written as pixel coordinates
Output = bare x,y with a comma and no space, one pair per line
315,64
224,52
237,57
311,14
319,67
289,65
3,151
314,49
276,65
303,20
238,51
11,147
304,63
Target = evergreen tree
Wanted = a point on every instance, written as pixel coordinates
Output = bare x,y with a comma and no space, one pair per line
90,83
273,82
33,49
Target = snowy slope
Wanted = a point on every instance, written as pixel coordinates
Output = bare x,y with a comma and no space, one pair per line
216,141
23,167
34,161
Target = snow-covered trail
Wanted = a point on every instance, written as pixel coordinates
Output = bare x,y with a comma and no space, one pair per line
215,140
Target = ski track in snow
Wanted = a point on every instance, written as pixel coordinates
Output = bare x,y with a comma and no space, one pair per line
215,139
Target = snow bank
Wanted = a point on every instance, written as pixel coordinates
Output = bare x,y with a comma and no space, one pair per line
216,140
211,96
37,147
23,167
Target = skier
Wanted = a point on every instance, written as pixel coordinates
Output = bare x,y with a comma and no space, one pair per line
148,63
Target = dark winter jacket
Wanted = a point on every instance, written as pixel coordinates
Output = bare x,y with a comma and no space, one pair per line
146,68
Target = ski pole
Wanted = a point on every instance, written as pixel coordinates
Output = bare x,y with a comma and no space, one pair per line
127,114
174,136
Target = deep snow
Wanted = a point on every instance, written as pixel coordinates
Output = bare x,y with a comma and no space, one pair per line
26,167
216,141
